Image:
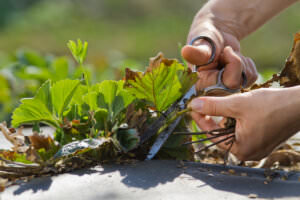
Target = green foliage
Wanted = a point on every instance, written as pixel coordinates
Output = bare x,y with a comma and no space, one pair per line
62,93
78,50
128,139
113,97
163,85
94,114
48,104
26,71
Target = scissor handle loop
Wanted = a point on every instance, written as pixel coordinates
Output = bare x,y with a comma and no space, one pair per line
220,85
213,49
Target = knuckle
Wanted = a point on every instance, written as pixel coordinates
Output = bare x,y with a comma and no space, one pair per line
237,60
233,107
211,106
254,77
233,84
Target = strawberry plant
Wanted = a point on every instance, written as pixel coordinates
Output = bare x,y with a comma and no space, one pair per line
104,121
94,122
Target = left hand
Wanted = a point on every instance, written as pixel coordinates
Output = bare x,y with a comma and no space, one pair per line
264,118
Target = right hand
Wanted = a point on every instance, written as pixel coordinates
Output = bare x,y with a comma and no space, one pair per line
227,54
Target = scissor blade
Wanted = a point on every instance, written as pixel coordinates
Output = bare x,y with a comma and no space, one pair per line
163,136
161,139
156,125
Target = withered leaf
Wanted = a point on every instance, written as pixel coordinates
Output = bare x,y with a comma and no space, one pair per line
290,75
40,141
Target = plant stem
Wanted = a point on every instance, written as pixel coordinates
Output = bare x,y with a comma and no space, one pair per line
173,118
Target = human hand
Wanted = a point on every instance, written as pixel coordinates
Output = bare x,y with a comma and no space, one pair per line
227,54
264,119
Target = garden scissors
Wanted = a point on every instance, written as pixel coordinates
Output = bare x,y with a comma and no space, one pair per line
219,89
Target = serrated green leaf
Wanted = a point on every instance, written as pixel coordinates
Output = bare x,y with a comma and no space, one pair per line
44,95
37,109
187,79
162,85
31,111
62,93
113,97
78,50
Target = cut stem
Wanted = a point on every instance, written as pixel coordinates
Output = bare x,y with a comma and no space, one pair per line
213,144
208,138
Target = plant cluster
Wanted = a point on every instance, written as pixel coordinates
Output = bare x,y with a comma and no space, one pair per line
102,121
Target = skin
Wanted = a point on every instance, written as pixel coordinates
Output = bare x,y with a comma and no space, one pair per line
261,124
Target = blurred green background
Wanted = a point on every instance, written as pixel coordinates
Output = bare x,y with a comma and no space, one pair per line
34,33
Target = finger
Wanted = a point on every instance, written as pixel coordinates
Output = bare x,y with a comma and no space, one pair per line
204,122
235,63
216,106
197,54
232,76
206,78
251,71
208,124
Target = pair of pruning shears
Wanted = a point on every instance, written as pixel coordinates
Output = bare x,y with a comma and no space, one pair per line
182,104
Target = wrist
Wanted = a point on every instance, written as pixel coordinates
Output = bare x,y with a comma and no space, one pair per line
212,18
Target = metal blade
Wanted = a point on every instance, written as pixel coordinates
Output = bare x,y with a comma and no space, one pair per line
161,139
155,126
163,136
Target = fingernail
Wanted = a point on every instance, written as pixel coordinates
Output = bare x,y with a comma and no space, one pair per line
196,105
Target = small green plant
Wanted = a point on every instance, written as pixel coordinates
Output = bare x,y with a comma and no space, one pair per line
98,121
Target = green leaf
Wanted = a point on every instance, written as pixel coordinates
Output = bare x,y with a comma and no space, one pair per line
78,50
101,119
91,99
29,57
128,139
62,93
37,109
44,95
160,85
187,79
113,97
31,111
80,92
61,69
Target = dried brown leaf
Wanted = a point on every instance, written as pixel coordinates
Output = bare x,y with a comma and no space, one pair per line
40,141
285,157
290,75
158,60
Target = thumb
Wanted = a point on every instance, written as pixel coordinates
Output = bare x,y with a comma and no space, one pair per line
197,54
214,106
